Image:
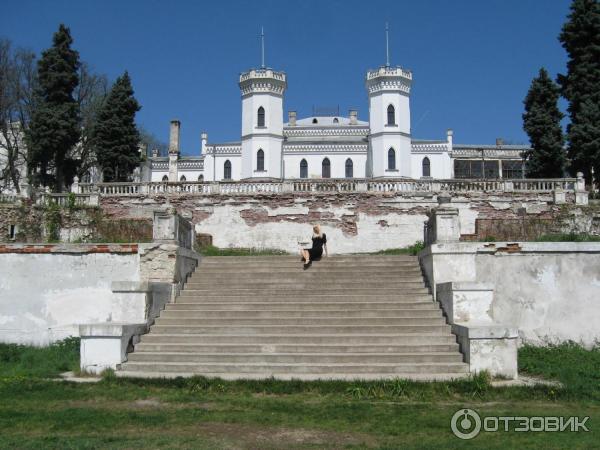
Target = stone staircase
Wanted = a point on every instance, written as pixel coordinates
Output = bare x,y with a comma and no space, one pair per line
347,317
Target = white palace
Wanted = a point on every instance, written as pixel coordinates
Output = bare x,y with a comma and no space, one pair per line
331,146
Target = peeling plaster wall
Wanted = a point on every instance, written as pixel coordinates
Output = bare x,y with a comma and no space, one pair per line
550,291
45,296
354,222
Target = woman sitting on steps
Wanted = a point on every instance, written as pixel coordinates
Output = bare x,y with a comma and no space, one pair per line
319,241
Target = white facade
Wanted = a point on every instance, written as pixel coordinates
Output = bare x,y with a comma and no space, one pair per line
332,146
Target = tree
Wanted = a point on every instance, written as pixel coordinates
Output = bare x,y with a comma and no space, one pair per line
580,37
541,122
17,81
116,137
151,142
90,95
55,125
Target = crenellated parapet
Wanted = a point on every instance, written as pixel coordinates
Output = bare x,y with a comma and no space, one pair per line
262,81
389,79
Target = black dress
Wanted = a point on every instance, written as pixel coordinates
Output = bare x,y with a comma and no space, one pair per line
317,247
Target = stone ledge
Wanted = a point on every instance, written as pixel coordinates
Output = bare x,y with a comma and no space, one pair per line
130,286
485,331
105,345
111,329
75,249
464,286
492,348
508,247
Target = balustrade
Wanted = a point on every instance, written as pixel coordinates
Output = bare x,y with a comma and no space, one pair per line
329,185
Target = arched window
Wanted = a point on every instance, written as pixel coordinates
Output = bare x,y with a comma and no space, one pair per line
426,167
335,120
227,170
261,117
391,115
260,160
349,168
201,178
183,178
326,168
303,169
315,120
391,159
165,178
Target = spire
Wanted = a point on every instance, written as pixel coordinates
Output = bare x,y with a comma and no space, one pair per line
387,46
262,47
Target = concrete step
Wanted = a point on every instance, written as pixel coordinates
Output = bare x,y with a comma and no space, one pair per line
315,269
324,264
200,304
316,338
422,377
304,276
296,358
193,296
300,313
292,348
301,368
311,291
303,284
297,321
384,259
296,329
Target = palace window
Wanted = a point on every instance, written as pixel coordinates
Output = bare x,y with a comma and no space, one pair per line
165,178
426,167
260,160
476,168
512,169
303,169
261,117
326,168
391,159
349,168
315,120
335,120
183,178
201,178
391,115
227,170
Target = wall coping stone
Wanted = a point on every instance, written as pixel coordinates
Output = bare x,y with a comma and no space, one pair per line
111,329
485,331
464,286
508,247
76,249
130,286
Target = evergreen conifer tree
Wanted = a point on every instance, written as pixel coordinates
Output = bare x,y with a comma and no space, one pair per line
116,137
541,122
581,85
55,125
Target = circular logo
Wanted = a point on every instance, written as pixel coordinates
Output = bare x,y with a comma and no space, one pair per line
465,424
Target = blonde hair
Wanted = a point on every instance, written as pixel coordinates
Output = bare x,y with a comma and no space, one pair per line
317,230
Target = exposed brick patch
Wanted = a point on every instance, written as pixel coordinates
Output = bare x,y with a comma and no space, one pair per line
383,223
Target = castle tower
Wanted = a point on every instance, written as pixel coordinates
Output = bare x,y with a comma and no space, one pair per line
389,119
262,122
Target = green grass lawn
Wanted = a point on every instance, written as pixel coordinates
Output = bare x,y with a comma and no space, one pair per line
199,413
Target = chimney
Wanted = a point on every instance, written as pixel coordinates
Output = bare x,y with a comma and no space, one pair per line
353,117
174,137
499,142
155,152
292,118
449,135
203,141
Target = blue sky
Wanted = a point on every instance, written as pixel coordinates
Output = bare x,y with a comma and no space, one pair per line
472,61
